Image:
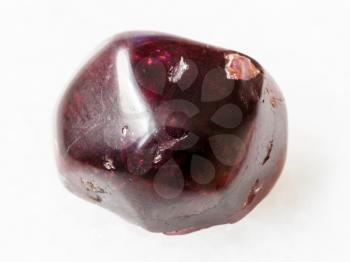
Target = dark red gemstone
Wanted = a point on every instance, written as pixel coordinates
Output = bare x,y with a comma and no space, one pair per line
171,134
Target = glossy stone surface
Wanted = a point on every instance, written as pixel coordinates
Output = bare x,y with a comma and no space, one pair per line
171,134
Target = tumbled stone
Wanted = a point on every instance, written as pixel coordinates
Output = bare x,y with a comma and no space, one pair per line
171,134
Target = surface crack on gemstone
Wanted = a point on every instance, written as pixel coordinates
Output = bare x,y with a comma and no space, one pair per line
69,147
165,145
96,198
170,143
269,149
254,190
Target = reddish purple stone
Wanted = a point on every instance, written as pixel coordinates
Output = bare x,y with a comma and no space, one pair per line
171,134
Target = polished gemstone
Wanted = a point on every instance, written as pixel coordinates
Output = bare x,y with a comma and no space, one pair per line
171,134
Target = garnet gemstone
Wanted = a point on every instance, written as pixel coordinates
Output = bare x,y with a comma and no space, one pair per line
171,134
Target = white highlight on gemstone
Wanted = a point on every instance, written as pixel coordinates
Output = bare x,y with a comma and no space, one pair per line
133,108
177,71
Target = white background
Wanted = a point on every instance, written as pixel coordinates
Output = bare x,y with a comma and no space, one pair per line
303,44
